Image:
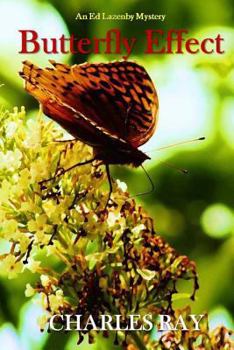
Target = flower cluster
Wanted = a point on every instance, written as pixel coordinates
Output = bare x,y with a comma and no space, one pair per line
92,258
202,339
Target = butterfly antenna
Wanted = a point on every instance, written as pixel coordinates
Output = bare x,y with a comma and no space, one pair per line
178,144
181,170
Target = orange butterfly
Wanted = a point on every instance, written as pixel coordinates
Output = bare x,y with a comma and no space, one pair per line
110,106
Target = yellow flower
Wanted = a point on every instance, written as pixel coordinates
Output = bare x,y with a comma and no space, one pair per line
29,291
33,265
33,136
137,229
41,238
24,241
2,217
25,177
38,223
45,281
121,185
42,321
5,191
38,170
112,218
49,208
10,160
10,266
41,228
9,228
56,300
28,206
11,129
115,249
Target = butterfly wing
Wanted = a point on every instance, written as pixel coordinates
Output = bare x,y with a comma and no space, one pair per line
118,96
105,144
78,125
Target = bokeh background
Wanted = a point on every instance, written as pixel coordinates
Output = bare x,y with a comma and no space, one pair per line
193,212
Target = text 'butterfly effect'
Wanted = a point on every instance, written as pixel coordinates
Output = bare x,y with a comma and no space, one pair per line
109,106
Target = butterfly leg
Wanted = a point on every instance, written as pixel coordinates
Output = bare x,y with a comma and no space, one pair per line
110,184
63,171
151,183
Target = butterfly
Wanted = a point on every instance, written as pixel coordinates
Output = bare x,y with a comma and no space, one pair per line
111,106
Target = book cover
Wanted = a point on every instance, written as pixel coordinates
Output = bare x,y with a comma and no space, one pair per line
116,175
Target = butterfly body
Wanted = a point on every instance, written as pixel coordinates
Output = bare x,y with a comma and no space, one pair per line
128,155
109,106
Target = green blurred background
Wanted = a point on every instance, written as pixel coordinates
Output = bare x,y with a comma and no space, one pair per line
193,212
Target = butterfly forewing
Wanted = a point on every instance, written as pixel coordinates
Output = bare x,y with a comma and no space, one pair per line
118,96
128,99
86,130
110,106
